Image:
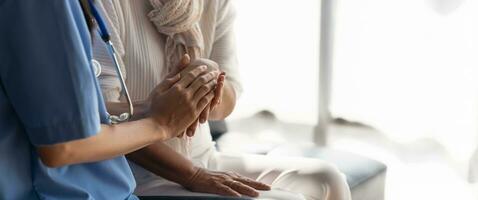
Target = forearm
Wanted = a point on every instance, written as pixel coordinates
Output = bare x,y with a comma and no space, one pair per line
227,104
110,142
163,161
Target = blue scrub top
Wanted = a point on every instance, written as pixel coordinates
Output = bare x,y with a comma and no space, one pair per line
48,95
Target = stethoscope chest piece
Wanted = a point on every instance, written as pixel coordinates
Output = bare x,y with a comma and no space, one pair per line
96,67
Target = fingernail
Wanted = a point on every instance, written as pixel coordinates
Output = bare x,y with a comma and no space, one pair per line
185,58
203,67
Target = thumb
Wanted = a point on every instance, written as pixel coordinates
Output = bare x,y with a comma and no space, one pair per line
183,63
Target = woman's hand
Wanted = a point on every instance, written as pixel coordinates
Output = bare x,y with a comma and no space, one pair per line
177,102
204,116
224,183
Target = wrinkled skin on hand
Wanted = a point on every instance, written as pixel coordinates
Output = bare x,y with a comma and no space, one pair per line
224,183
177,102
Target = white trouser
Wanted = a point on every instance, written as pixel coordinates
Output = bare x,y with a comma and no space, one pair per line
290,177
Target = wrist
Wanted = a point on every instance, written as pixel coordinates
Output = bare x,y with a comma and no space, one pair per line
227,104
190,176
158,133
217,114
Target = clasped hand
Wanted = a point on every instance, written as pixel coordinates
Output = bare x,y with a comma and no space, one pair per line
218,91
185,97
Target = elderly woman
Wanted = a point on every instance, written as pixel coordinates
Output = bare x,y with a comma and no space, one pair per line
151,36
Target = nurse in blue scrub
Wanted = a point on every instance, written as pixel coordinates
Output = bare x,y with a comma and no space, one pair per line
55,138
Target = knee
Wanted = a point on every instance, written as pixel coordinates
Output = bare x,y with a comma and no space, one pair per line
334,182
328,174
315,174
316,181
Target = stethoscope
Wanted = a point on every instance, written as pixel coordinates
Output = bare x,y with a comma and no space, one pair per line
105,36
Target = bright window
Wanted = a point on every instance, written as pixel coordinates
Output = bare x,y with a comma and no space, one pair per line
278,55
409,68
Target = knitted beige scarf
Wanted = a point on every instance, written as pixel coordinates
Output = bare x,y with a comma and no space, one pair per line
178,20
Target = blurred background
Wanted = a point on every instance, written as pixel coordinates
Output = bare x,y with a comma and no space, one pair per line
403,86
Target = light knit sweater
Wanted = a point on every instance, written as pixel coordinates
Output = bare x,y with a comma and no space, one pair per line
141,47
141,50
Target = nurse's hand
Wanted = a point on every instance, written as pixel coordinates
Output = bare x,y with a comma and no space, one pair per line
177,102
224,183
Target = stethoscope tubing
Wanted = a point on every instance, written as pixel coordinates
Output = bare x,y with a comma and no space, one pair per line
105,36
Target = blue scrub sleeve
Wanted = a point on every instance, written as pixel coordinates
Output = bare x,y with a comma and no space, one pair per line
47,73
